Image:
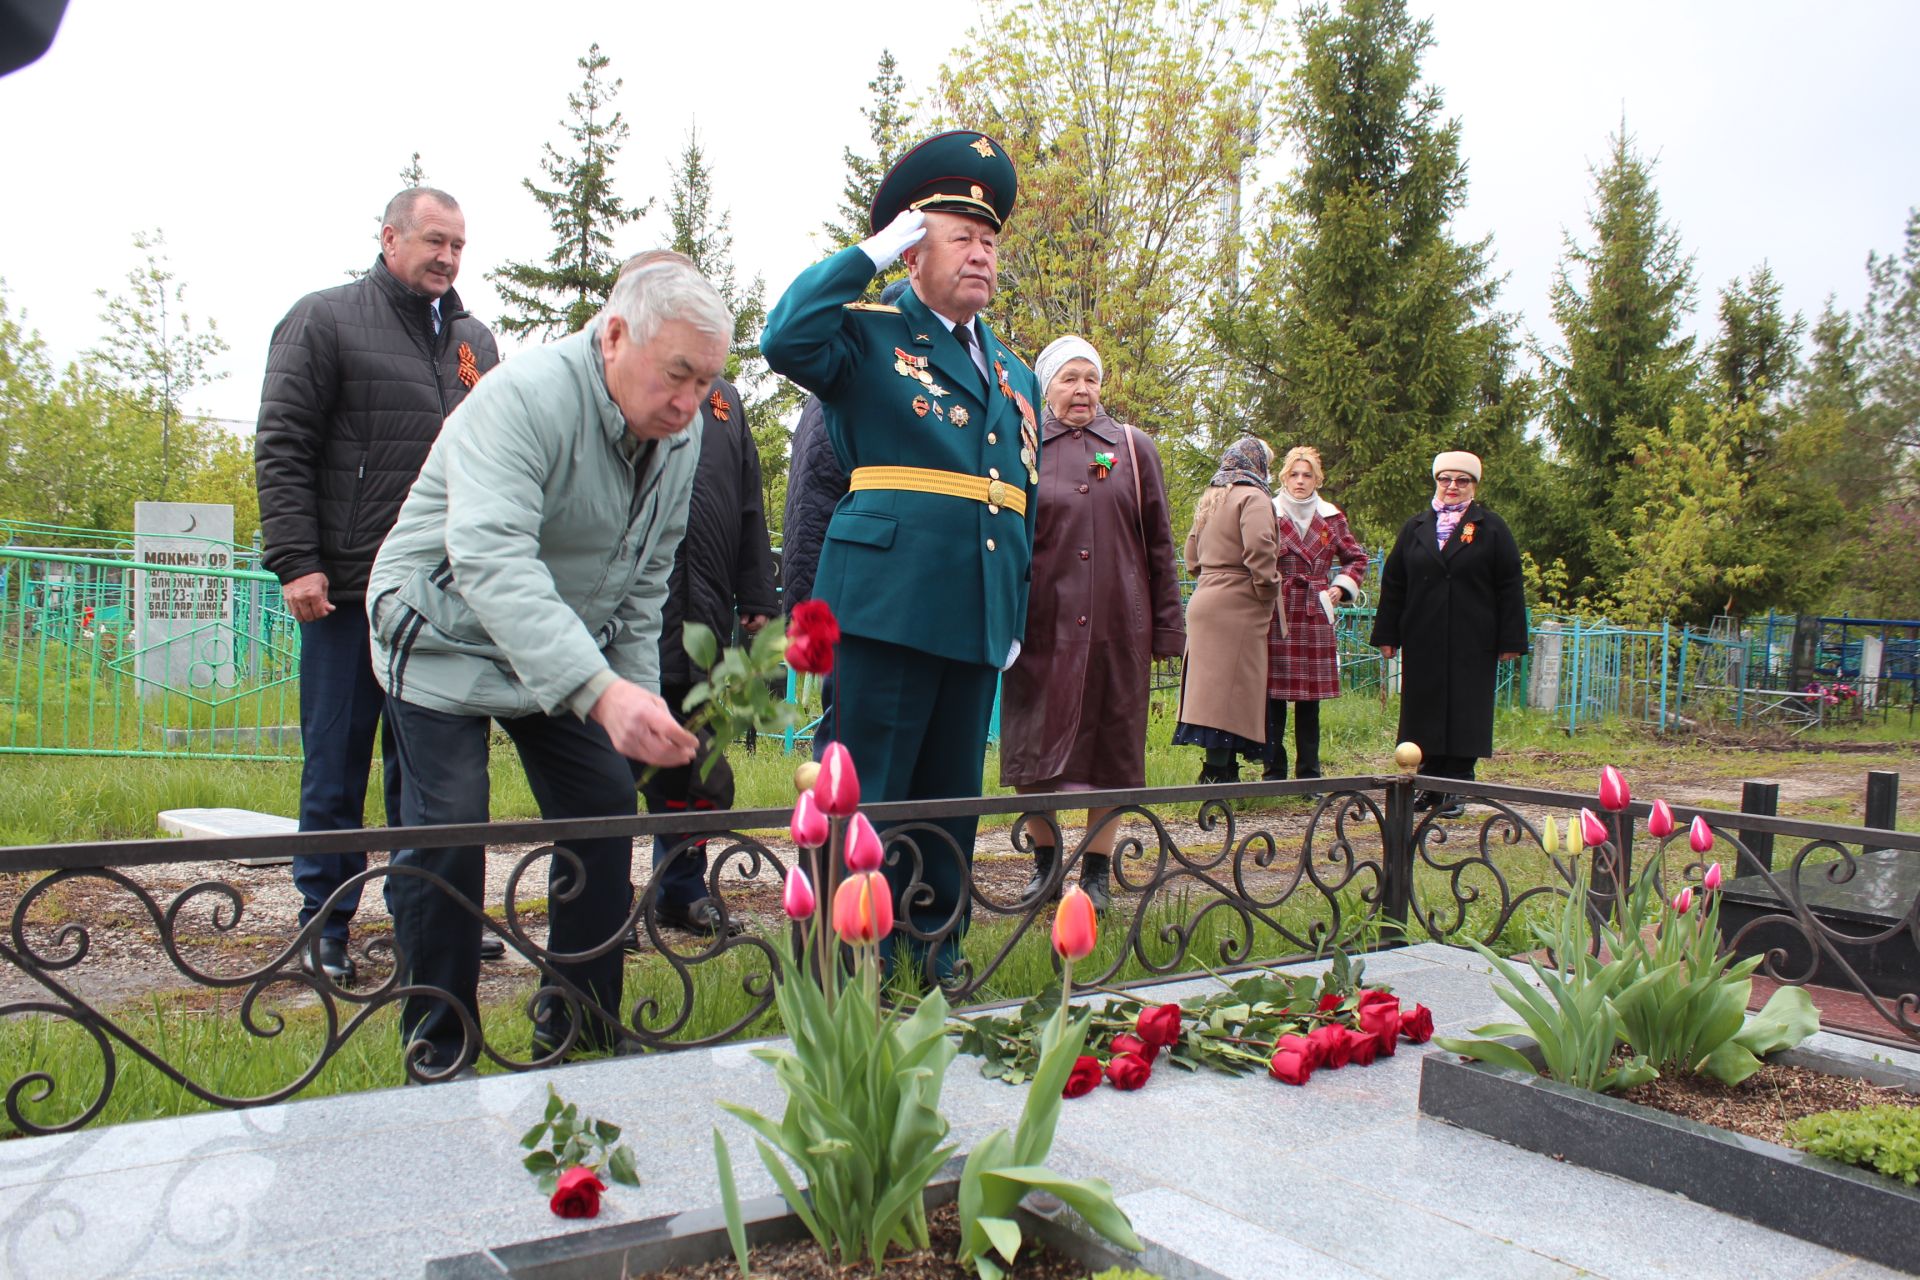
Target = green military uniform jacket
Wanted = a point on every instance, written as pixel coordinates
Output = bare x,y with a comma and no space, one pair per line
945,575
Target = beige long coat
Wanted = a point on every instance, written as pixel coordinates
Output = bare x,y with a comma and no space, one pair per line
1235,559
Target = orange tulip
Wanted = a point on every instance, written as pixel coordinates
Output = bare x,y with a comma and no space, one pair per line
1075,925
863,908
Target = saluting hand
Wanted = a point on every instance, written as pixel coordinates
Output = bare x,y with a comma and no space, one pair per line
886,245
642,727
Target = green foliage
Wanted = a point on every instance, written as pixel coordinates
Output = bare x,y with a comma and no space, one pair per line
739,690
561,292
890,131
1884,1138
1001,1170
863,1123
1129,121
1685,1006
1368,330
1575,1022
566,1139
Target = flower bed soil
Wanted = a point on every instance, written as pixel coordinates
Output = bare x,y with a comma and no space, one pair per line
1762,1105
802,1260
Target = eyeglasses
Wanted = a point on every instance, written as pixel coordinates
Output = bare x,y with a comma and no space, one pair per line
1455,482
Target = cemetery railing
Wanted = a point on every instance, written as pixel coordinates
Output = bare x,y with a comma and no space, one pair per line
101,654
1207,879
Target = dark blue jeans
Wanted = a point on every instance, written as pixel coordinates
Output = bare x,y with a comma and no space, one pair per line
340,709
575,773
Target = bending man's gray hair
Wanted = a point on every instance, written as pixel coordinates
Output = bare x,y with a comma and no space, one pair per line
661,285
402,208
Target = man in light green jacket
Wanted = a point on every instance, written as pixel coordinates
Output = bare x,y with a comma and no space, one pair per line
522,585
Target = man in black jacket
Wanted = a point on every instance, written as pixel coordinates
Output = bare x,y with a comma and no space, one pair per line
724,571
360,378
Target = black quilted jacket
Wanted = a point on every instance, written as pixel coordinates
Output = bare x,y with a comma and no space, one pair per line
815,484
357,387
724,567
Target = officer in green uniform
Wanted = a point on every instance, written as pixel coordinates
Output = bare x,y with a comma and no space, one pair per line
926,559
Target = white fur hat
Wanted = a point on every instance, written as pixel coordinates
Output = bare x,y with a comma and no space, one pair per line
1458,460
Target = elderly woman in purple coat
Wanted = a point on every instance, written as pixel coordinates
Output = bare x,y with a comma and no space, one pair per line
1105,601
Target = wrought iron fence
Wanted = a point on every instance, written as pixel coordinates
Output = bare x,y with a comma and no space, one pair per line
1207,877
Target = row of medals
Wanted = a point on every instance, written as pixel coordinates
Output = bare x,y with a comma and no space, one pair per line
908,365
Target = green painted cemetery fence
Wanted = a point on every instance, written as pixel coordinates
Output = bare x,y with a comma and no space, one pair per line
78,678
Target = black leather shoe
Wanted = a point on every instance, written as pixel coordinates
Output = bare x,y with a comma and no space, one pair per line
491,948
1451,807
1095,868
468,1072
701,917
334,961
1425,801
1044,856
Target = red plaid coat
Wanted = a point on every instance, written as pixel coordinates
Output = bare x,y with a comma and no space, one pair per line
1304,665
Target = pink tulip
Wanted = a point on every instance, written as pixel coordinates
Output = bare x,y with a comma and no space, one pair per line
1592,831
1699,835
1615,795
809,825
863,845
1660,821
1075,925
863,908
797,897
837,789
1683,902
1711,881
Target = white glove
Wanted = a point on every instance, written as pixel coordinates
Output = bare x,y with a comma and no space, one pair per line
886,245
1013,656
1327,599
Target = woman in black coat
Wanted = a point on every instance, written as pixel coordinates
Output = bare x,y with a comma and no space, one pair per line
1452,607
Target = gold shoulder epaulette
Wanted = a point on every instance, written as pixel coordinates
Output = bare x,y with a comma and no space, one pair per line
872,306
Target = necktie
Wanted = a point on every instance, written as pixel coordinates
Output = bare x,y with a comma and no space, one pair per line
963,334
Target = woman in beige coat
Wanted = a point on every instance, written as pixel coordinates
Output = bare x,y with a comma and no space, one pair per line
1233,553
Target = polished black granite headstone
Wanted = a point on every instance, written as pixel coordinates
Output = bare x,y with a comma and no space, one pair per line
1880,894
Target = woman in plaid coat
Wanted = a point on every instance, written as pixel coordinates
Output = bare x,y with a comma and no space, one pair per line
1321,564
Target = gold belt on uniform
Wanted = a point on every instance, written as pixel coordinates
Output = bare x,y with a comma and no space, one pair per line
955,484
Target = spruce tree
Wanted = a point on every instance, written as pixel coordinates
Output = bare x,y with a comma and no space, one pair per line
1370,329
1623,365
563,291
889,132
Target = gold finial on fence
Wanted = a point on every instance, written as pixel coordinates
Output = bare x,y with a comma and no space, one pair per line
1407,756
803,776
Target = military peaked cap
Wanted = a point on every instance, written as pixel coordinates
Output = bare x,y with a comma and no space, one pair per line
963,171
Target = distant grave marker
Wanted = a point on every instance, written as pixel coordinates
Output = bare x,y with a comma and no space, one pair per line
183,621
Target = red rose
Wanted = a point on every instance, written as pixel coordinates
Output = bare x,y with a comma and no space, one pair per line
1289,1065
1160,1025
1328,1003
1416,1024
1129,1071
578,1195
1084,1078
1330,1043
1136,1046
1294,1043
1361,1047
1381,1020
812,632
1370,996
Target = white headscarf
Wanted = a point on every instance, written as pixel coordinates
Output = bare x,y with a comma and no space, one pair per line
1058,353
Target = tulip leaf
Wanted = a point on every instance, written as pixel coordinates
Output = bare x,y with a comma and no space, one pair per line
1005,1235
1787,1019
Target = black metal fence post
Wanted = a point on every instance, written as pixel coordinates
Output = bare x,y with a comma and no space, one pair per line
1396,861
1883,802
1763,800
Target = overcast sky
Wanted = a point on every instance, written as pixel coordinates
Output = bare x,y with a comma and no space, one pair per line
264,138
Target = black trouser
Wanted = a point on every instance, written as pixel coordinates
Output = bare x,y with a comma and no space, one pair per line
574,773
916,725
681,881
1306,739
1460,767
